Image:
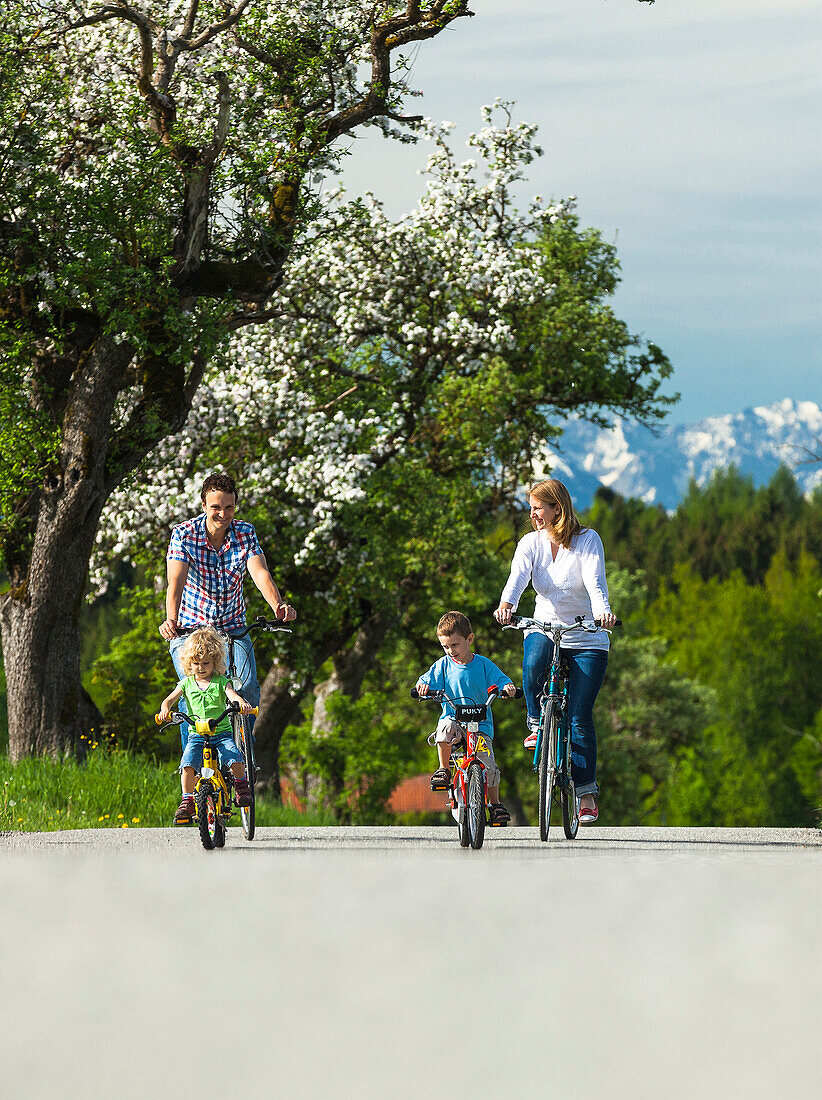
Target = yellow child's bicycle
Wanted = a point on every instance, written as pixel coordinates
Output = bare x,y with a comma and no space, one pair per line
212,790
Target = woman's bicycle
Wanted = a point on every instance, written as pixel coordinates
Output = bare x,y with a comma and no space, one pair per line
240,725
552,752
468,790
212,790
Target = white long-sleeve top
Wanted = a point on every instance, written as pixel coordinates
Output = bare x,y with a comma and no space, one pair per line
570,585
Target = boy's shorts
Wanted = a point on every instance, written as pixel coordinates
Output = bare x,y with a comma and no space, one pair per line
449,730
227,751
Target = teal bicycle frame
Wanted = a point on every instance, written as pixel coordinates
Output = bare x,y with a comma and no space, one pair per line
555,697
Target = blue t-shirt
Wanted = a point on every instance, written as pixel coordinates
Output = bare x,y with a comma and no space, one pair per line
466,683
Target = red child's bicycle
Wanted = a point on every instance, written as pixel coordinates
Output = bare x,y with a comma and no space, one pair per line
468,790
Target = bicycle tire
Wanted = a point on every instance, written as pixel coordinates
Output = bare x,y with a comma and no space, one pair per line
570,813
462,826
208,823
475,807
245,743
220,831
547,769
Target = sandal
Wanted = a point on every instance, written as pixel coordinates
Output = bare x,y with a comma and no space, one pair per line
498,815
242,792
185,811
441,779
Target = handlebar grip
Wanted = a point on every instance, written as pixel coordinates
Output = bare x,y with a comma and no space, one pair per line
518,694
255,710
158,719
414,693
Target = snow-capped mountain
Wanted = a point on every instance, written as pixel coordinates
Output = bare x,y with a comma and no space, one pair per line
657,468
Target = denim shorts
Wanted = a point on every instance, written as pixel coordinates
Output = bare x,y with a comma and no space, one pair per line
227,751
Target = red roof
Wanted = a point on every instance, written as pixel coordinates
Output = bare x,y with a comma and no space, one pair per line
414,796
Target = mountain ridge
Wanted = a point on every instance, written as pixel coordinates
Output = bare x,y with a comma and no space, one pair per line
657,466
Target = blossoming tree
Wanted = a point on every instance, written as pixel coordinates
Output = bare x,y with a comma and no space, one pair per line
415,369
155,167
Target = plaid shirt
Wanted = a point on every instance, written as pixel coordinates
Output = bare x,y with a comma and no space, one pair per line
213,591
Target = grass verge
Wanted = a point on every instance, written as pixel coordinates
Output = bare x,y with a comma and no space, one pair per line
112,789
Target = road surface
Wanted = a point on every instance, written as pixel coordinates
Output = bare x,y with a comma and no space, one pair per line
388,962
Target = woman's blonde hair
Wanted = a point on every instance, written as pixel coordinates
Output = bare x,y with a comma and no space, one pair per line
553,492
203,643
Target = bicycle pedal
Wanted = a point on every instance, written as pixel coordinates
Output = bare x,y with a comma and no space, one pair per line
439,787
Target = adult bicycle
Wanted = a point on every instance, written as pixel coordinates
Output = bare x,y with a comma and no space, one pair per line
552,752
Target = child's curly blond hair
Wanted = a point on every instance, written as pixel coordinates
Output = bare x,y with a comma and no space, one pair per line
203,643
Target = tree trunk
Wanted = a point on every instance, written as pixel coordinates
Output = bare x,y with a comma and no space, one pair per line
48,709
279,708
350,669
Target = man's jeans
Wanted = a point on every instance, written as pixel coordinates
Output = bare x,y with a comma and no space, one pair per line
245,666
587,671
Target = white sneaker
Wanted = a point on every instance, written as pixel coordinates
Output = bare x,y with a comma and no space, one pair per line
530,741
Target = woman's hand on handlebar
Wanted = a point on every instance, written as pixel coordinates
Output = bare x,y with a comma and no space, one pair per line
608,621
503,614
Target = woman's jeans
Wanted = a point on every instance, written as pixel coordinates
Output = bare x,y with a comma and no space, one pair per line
587,671
245,665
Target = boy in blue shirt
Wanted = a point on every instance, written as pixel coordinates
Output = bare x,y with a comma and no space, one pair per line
465,676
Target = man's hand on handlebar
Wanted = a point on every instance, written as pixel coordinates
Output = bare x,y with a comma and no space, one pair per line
285,612
168,629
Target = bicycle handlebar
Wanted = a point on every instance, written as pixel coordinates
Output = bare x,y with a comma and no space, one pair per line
268,626
438,696
178,717
522,622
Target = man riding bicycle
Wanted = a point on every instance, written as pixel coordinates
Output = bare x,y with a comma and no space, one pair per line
206,563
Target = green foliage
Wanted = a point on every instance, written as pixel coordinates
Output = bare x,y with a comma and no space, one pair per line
132,677
757,646
354,767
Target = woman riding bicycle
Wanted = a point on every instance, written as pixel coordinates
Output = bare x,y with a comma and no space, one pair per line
565,562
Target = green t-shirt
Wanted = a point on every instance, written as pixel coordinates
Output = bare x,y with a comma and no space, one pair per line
208,702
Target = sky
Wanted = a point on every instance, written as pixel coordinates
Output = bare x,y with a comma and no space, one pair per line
691,133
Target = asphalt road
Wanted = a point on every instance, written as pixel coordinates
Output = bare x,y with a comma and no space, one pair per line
390,963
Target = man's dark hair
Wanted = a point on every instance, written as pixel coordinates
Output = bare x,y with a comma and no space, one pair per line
220,483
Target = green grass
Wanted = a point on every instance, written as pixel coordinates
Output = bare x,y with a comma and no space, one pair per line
112,789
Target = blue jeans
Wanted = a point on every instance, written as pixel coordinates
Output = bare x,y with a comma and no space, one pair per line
587,671
227,751
245,665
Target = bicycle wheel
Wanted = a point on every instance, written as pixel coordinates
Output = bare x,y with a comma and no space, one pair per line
220,829
570,811
547,769
245,743
462,826
475,810
209,824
